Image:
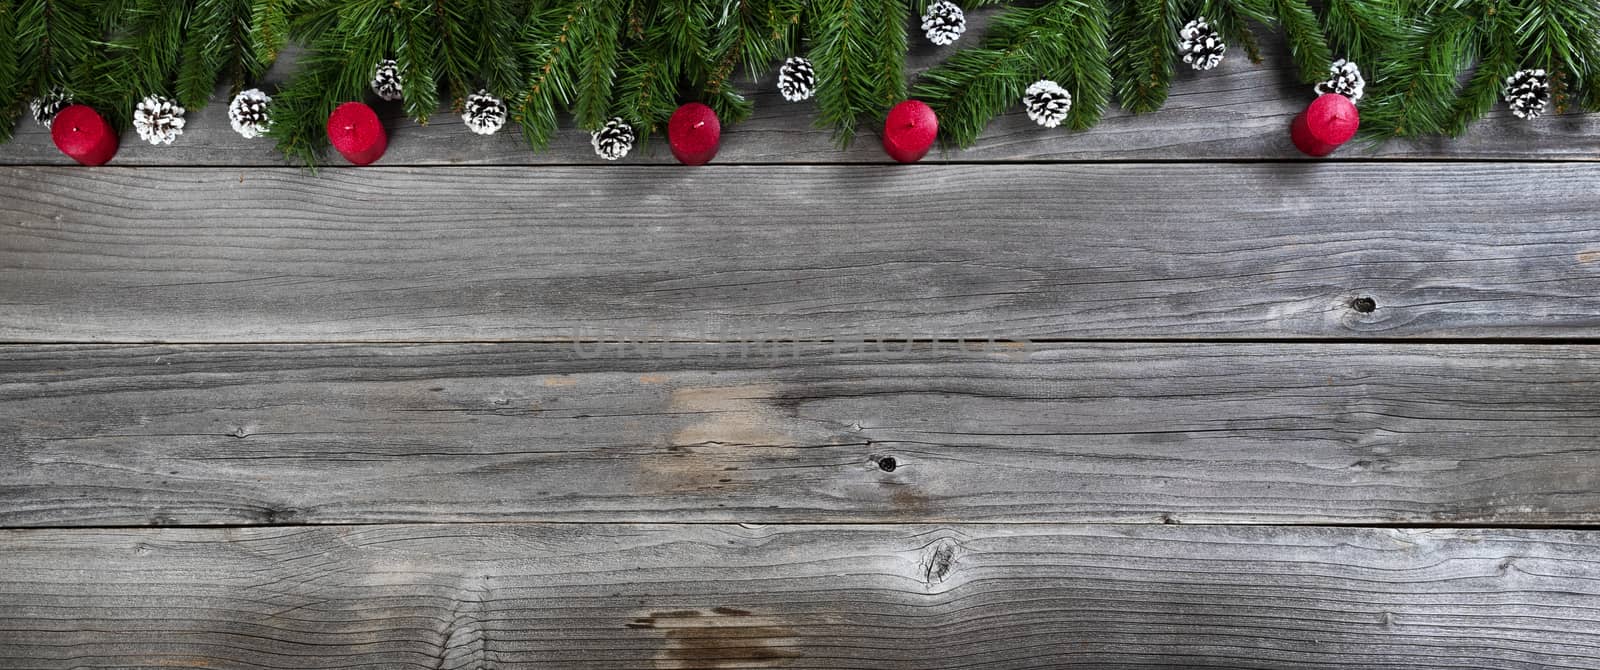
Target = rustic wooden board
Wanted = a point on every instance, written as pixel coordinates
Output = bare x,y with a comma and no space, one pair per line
1238,111
825,252
1226,433
914,597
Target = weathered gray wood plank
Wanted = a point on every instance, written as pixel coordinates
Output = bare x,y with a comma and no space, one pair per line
1238,111
813,252
914,597
251,434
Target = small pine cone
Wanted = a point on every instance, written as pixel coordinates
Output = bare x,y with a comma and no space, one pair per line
1528,93
484,114
614,140
1047,103
386,79
159,120
46,107
944,22
1200,44
1346,81
797,79
248,113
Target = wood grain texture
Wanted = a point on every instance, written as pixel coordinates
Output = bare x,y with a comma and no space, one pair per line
113,435
818,253
865,597
1238,111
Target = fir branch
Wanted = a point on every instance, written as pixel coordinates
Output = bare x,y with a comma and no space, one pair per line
1085,67
749,32
141,61
647,88
454,48
350,38
858,49
599,30
547,43
1307,45
1063,40
1552,29
217,44
1497,42
11,97
415,53
269,20
1232,22
1144,32
496,47
58,42
975,85
1362,30
1416,88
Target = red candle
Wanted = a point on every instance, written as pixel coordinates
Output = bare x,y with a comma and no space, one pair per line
909,131
694,133
357,133
82,134
1330,121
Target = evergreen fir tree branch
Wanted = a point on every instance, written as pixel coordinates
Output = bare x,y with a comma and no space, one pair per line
1231,21
1145,33
416,53
546,47
351,36
858,50
1500,55
1307,45
753,32
11,98
889,43
217,45
600,32
1063,40
141,61
1362,30
1084,61
1417,85
496,48
454,49
975,85
270,20
1563,38
647,89
58,42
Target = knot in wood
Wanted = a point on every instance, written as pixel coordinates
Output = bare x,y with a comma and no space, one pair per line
938,561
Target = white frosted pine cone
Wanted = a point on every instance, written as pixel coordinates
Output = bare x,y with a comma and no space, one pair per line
484,114
613,140
1528,93
248,113
386,80
944,22
797,79
1201,45
45,107
1047,103
1346,81
158,119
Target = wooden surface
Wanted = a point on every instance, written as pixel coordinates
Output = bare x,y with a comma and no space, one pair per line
808,252
1195,433
726,596
1156,395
